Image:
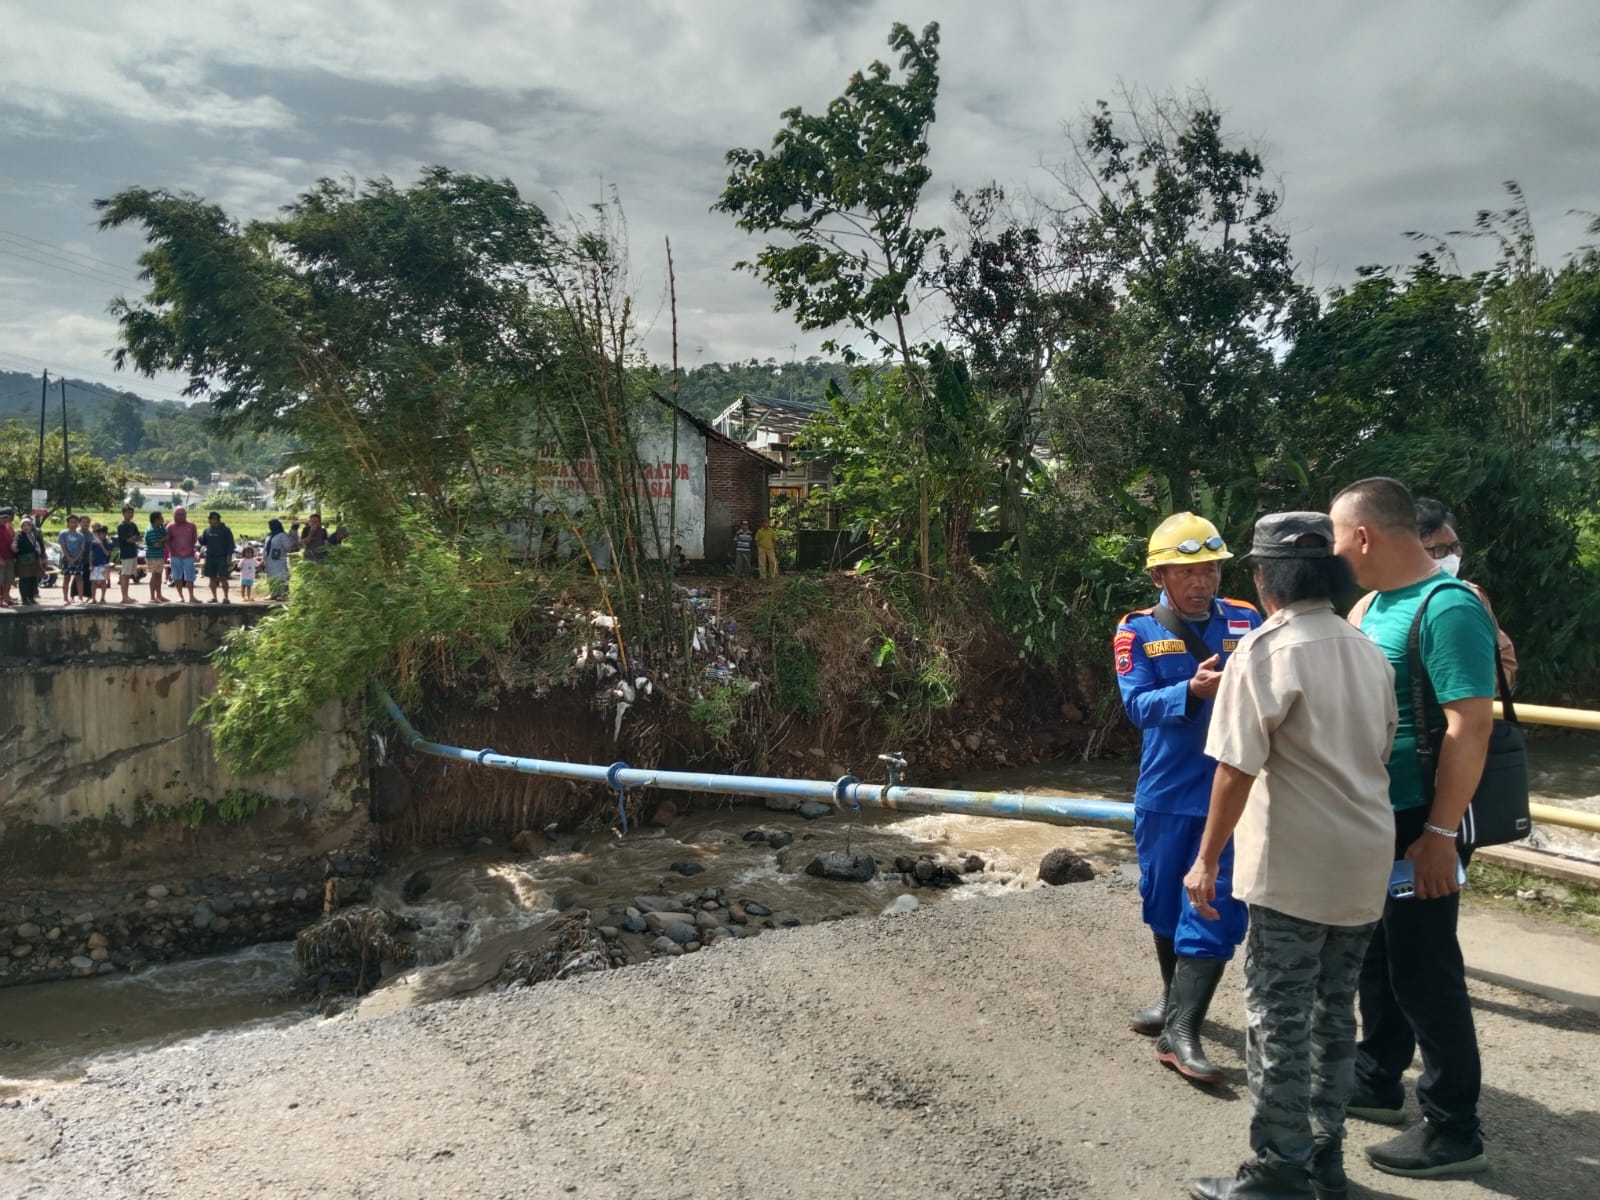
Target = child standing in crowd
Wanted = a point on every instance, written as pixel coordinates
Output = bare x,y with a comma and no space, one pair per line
99,564
247,573
74,545
155,553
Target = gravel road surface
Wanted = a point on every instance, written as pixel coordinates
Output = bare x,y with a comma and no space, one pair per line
974,1049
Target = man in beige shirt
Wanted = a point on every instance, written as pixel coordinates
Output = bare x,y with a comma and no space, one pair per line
1303,723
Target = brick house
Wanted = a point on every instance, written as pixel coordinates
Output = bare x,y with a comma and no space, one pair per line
736,488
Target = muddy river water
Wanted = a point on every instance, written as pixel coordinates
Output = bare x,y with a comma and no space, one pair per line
53,1030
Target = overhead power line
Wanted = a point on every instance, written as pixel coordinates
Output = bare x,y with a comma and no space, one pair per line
51,247
62,266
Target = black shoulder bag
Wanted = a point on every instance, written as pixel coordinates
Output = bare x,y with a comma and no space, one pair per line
1498,812
1176,624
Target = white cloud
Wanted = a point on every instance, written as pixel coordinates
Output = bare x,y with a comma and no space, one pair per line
1380,118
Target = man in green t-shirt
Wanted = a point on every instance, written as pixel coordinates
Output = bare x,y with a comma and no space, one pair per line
1413,990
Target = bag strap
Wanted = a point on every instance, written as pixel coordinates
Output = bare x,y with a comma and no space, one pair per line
1422,687
1176,624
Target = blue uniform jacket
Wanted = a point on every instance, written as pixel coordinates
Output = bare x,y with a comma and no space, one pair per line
1153,671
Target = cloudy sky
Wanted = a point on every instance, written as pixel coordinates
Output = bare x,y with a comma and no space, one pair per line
1379,116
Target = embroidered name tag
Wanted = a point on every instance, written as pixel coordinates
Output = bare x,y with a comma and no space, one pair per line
1165,646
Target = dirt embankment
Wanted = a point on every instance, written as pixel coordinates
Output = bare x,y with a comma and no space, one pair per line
799,677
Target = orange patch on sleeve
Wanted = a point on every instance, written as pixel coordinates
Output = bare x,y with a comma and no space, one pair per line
1122,650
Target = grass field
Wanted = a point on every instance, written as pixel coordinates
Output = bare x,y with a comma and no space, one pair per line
246,526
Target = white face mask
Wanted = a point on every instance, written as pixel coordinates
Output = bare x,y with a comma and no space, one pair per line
1450,564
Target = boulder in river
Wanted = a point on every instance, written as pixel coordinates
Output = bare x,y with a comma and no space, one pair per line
530,841
812,810
657,922
754,909
1063,866
416,887
688,868
665,814
650,904
846,868
779,838
782,804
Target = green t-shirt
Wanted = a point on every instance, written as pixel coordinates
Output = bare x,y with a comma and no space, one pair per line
1457,645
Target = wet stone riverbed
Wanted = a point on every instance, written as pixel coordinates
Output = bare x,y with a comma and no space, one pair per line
742,870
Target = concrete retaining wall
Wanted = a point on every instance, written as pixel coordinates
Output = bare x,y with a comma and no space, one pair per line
95,707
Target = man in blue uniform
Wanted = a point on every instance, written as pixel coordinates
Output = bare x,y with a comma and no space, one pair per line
1169,662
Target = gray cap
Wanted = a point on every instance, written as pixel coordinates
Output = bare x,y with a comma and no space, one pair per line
1292,535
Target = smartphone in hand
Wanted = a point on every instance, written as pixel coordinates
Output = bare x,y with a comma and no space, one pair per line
1403,879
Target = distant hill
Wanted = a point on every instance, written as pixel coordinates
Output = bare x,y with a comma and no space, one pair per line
86,402
164,437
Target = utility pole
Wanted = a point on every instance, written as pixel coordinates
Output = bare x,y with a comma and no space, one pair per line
66,462
44,396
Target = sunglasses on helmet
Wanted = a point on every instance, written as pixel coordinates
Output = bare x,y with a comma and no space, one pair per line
1195,545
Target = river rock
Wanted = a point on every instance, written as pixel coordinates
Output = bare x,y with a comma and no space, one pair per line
21,950
203,916
223,906
846,868
971,864
1064,866
530,841
663,945
812,810
754,909
98,941
755,835
158,891
682,934
737,915
782,804
634,924
655,904
27,931
688,868
924,870
779,838
100,954
705,920
657,922
218,925
903,903
82,963
665,814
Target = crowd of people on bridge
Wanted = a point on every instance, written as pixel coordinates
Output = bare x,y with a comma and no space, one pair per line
1287,782
86,556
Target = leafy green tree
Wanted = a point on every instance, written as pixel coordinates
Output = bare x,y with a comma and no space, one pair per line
1174,385
380,326
121,429
841,190
1011,310
94,483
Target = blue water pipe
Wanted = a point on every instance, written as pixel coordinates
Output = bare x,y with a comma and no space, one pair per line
846,793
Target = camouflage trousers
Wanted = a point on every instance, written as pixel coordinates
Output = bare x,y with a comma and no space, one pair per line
1300,1031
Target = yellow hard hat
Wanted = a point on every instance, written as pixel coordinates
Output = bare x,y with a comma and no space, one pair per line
1185,538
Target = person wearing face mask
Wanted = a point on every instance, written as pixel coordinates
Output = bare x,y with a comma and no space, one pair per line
1437,525
1169,661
